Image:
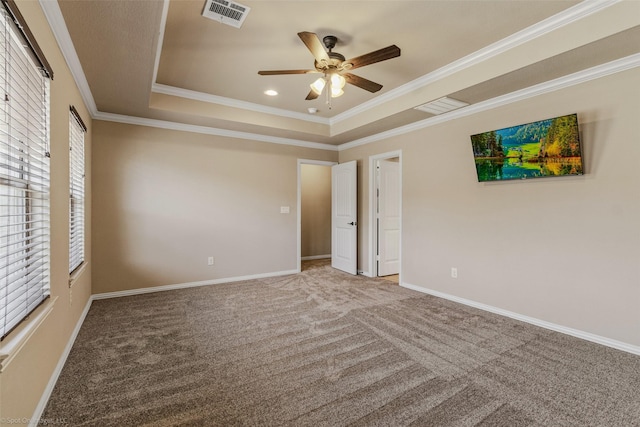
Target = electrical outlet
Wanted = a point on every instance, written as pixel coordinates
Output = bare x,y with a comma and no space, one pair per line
210,261
454,272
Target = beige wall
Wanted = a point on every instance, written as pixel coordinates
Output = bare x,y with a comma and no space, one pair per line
168,200
316,210
24,378
563,250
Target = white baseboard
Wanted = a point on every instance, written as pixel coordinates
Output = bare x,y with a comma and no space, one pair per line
618,345
140,291
56,372
312,257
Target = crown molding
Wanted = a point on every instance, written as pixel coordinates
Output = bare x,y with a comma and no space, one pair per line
234,103
215,99
58,26
163,124
54,16
561,19
593,73
566,17
163,24
583,76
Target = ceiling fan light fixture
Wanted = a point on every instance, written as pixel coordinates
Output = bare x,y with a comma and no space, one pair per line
337,81
333,64
318,85
336,92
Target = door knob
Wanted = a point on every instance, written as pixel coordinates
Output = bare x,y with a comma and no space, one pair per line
352,223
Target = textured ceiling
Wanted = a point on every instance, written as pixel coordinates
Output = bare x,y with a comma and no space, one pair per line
206,72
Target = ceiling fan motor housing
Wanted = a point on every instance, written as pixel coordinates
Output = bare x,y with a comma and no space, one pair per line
330,42
335,59
334,63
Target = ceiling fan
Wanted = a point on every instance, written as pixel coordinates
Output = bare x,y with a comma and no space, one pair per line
335,67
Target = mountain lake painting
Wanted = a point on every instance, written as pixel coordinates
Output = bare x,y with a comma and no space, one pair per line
540,149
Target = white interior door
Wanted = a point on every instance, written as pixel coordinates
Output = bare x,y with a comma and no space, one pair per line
344,216
388,218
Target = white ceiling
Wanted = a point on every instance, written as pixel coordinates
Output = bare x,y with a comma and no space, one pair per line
163,61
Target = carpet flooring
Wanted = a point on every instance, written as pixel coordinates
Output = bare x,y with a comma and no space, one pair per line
323,348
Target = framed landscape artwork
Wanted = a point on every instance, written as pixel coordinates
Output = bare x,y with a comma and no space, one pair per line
544,148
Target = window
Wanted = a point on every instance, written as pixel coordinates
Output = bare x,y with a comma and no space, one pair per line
24,171
76,190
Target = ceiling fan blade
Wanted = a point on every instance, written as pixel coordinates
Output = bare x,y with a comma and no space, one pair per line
312,95
362,82
372,57
314,45
278,72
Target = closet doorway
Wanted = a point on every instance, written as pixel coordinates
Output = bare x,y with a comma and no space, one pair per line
314,210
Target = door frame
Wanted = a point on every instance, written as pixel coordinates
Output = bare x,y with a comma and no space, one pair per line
299,205
373,199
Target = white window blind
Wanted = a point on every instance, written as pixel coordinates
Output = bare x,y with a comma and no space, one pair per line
76,190
24,177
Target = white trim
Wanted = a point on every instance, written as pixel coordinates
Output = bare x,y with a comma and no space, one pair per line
579,77
561,19
618,345
46,394
54,16
140,291
583,76
73,277
163,25
215,99
65,354
546,26
585,8
312,257
373,230
163,124
13,343
299,205
235,103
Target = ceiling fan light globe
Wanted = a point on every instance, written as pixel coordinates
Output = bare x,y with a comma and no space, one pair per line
336,92
318,85
337,81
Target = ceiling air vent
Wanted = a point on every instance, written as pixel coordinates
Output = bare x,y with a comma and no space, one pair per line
442,105
226,12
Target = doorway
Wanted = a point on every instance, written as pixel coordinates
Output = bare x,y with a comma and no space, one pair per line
385,196
314,210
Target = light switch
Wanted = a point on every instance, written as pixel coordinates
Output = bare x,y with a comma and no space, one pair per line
284,209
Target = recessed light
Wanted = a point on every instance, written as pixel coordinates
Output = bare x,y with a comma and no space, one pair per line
312,110
270,92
